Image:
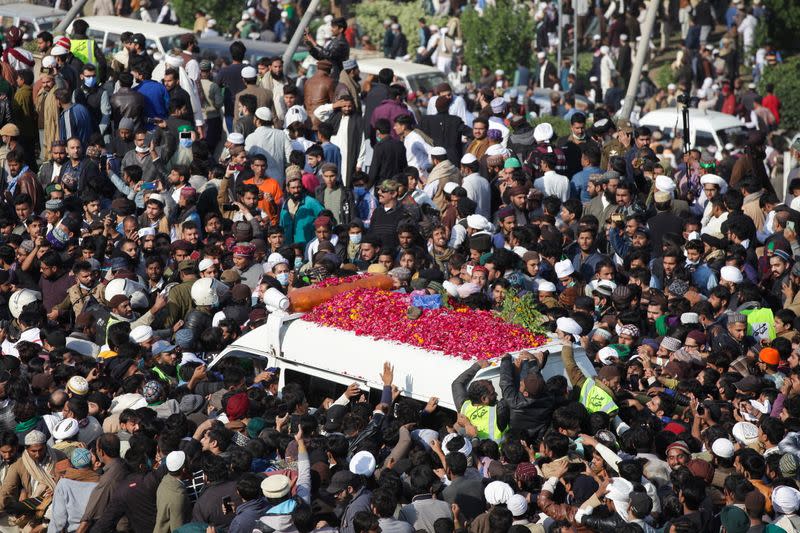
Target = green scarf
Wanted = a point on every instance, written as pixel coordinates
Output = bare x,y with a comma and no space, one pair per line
28,425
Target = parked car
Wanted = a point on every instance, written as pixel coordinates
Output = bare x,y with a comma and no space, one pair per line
706,128
106,32
31,18
416,77
219,47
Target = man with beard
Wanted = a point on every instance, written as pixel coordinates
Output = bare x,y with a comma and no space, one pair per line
603,189
273,143
270,71
50,172
480,141
21,180
588,256
572,144
348,134
55,281
779,268
298,212
478,402
350,83
668,269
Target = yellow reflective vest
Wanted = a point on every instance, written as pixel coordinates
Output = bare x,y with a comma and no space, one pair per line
484,418
595,399
84,49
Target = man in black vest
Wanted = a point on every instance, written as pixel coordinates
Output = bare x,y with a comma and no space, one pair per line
91,94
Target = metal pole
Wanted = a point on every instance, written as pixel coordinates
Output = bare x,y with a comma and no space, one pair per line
641,55
298,34
560,34
575,40
73,12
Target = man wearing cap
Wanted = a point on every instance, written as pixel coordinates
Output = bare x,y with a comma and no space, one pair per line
546,75
272,143
173,508
73,491
350,83
263,96
389,216
33,473
443,172
477,187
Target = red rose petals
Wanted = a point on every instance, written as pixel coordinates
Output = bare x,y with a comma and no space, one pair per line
460,332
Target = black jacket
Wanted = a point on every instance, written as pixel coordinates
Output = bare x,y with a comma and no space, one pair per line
531,415
446,131
377,94
388,159
384,225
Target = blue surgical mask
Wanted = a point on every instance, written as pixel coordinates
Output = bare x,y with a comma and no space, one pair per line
254,300
298,262
283,278
120,229
359,191
355,238
90,81
186,143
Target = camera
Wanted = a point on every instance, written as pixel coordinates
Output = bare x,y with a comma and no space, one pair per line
230,207
683,99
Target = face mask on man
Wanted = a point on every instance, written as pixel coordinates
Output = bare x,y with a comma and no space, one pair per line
283,278
90,81
355,238
186,143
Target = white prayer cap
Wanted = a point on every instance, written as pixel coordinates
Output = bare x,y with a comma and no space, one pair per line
731,274
264,114
449,187
665,183
175,460
468,159
438,151
478,222
249,73
545,286
564,268
569,325
146,232
543,132
141,334
497,493
205,264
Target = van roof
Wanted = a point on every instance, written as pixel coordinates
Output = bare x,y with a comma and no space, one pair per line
150,30
705,120
345,357
373,65
29,11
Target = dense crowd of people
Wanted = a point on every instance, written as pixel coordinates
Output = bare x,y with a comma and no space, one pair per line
150,201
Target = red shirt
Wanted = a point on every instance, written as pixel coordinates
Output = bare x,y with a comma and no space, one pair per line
772,103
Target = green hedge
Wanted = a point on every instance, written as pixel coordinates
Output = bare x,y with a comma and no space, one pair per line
499,39
371,14
781,25
786,78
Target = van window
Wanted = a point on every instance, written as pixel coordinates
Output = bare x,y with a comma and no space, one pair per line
98,37
317,389
426,82
703,138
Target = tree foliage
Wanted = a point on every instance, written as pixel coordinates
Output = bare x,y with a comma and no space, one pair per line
782,24
786,79
371,14
226,13
500,39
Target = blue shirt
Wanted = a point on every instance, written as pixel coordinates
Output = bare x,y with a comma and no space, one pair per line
332,154
156,99
579,184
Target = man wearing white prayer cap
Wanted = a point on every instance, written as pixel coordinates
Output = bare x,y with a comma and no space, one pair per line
730,276
564,272
497,493
568,329
477,187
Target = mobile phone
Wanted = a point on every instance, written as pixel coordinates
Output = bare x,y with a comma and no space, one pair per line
152,120
230,207
790,225
185,135
283,409
701,410
227,505
149,186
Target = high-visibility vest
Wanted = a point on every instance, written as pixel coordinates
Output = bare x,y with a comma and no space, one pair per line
484,418
760,323
84,49
595,399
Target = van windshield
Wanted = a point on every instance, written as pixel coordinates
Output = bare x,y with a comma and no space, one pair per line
730,135
426,82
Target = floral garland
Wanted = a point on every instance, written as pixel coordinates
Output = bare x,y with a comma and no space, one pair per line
459,332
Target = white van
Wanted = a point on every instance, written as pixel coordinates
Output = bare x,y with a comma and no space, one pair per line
106,32
416,77
326,360
31,18
706,128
